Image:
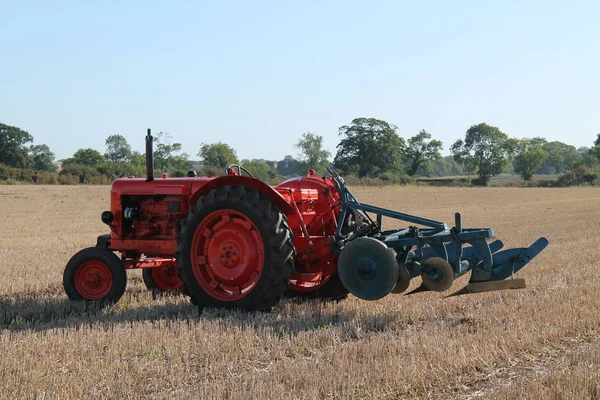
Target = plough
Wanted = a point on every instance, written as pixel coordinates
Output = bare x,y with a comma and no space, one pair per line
435,252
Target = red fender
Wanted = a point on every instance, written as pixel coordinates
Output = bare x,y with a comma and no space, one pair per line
236,180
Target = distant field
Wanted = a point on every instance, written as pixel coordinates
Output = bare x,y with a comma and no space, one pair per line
539,343
499,180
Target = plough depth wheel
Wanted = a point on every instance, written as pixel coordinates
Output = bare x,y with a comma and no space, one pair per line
437,274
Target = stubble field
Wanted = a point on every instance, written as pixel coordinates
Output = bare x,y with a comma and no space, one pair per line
538,343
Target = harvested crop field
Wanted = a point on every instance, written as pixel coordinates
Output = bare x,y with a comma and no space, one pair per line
538,343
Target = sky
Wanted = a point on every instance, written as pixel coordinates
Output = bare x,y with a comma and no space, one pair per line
259,74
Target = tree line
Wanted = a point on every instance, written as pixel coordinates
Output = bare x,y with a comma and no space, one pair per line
368,148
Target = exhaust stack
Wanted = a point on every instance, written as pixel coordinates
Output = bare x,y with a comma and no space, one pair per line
149,157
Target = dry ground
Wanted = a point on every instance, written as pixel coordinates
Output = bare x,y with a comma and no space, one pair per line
538,343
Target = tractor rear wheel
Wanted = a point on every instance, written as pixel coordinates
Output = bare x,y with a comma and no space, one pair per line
95,275
235,250
162,279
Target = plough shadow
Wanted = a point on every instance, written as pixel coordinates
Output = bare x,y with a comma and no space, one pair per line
42,314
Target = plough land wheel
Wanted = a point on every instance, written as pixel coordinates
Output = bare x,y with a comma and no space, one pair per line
162,278
95,275
235,250
437,274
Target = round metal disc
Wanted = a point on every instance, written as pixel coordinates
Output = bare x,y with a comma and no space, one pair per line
403,280
437,274
368,268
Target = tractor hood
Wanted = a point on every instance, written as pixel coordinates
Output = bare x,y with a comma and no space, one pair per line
160,186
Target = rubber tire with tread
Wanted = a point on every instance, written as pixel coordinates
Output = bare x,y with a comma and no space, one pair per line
275,233
119,276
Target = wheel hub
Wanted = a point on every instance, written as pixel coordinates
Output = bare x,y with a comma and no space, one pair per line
366,268
93,280
230,255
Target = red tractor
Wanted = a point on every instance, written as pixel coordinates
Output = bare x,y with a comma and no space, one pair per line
236,242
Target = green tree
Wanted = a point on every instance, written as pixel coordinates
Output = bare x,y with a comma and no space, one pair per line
165,154
260,170
179,162
530,157
118,158
560,157
288,166
41,158
582,150
13,149
312,155
217,155
369,147
138,162
89,157
117,149
446,166
115,170
81,171
485,148
592,157
420,151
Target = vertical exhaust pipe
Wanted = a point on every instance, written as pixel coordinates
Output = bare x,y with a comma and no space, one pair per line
149,158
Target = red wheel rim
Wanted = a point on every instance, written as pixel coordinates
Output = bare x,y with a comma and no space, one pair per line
93,280
227,255
166,278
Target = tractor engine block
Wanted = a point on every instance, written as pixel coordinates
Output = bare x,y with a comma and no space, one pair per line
156,217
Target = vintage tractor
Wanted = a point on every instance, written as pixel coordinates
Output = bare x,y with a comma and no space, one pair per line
236,242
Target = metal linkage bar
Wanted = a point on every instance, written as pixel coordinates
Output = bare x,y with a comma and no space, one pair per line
397,215
350,202
433,237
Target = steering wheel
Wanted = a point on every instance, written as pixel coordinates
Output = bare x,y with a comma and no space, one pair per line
239,170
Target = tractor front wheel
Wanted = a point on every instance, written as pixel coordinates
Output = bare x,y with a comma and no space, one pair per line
235,250
95,275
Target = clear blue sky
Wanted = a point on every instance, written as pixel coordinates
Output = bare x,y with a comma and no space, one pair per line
259,74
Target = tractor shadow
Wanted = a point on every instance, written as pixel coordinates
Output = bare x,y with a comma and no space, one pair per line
31,312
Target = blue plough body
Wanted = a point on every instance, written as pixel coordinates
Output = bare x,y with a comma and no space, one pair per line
415,245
